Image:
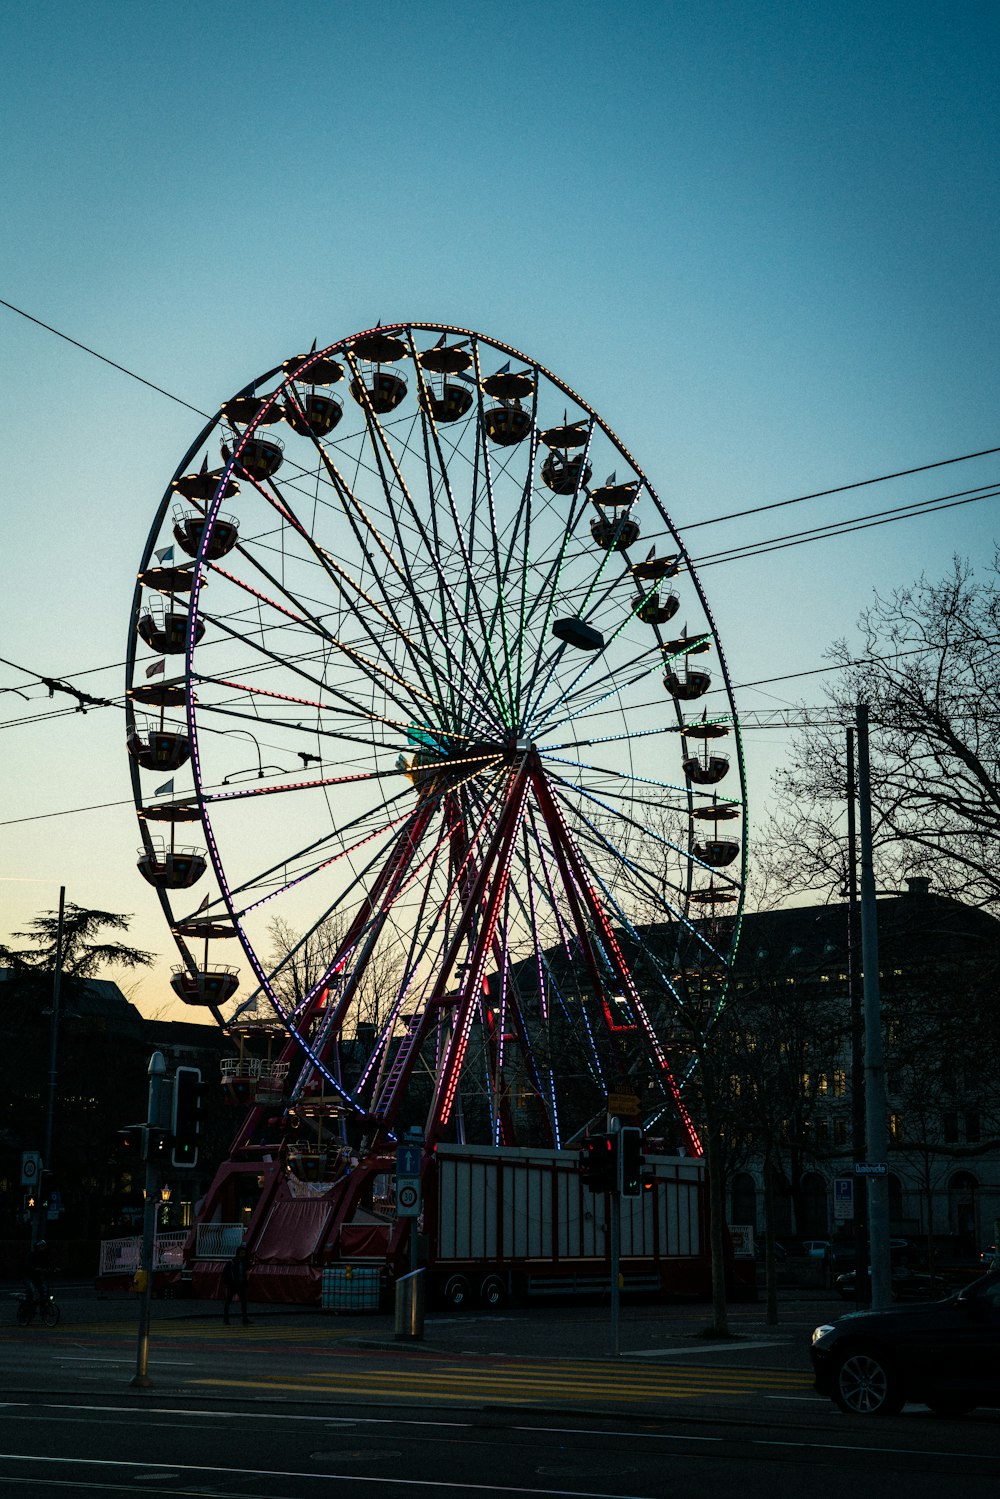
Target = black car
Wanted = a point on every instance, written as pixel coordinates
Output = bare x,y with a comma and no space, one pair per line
945,1354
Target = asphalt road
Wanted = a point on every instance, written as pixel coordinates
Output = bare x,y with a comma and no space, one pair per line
526,1402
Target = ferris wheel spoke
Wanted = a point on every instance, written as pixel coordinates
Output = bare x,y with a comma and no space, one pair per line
457,916
382,452
349,590
631,671
580,612
574,863
580,712
276,499
371,931
358,600
332,693
254,882
659,896
548,591
488,891
470,655
502,572
420,939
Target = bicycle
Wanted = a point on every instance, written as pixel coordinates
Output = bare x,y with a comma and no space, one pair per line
28,1307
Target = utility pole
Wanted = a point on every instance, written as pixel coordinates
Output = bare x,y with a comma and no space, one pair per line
50,1106
155,1121
876,1110
860,1185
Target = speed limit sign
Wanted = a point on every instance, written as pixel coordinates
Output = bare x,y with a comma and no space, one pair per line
31,1168
408,1200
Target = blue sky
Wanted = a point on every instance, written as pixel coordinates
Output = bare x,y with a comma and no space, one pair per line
760,239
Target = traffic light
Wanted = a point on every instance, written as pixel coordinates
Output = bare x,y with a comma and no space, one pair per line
131,1145
630,1161
597,1163
188,1112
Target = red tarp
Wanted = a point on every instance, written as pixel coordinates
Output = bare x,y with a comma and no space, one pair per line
293,1232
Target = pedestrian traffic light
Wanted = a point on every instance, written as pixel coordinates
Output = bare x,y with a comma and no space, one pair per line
132,1143
597,1163
630,1161
187,1115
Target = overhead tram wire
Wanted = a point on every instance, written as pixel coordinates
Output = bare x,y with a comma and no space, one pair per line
691,526
733,554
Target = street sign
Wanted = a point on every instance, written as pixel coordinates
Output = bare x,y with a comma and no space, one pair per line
871,1168
407,1200
408,1158
843,1197
623,1103
31,1168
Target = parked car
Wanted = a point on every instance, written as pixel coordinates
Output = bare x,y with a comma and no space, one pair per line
945,1355
907,1285
817,1249
988,1255
760,1250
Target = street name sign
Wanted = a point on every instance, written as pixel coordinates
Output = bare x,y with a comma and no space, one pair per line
871,1168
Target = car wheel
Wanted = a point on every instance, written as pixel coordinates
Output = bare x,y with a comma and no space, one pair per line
953,1408
492,1293
866,1385
456,1292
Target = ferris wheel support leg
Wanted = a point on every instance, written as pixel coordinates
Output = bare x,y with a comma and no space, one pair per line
383,893
563,840
496,865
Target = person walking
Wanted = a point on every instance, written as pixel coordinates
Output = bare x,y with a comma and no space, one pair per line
234,1279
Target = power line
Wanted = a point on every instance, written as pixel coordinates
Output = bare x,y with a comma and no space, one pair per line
820,494
104,359
693,526
912,511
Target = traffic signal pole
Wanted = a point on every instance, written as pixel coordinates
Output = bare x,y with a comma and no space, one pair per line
154,1121
876,1109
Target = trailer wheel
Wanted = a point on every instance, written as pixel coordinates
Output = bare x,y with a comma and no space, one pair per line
492,1293
456,1292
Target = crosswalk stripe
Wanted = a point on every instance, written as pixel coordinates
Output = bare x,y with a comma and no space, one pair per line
516,1385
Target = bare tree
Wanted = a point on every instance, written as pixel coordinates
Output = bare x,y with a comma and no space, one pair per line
929,670
299,963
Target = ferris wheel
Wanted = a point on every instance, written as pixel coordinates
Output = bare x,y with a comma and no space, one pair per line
430,726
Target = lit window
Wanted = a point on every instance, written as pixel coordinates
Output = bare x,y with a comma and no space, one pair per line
895,1128
839,1082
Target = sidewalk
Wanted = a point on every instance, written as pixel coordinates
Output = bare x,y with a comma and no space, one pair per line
570,1329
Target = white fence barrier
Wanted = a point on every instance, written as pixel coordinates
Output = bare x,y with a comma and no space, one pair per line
218,1241
124,1256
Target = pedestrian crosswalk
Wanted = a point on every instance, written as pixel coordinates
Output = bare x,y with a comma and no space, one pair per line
542,1381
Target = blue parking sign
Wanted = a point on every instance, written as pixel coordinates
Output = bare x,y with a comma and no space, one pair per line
843,1197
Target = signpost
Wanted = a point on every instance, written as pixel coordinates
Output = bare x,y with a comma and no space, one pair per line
409,1198
843,1198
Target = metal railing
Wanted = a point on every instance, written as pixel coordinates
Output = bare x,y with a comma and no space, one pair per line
123,1256
217,1241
